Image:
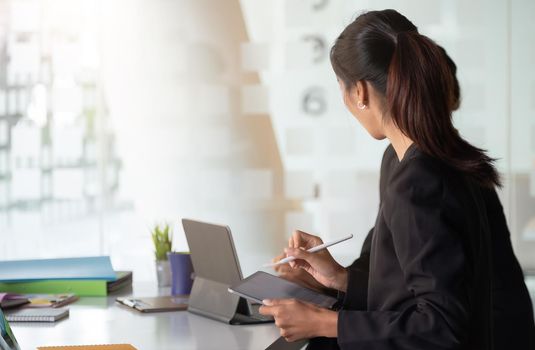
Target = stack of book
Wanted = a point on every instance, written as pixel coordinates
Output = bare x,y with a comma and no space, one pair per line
89,276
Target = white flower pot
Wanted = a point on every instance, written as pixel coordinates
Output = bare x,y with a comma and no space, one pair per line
163,273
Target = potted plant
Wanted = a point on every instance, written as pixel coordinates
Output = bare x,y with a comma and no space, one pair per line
162,238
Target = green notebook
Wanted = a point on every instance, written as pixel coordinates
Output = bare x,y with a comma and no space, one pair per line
78,287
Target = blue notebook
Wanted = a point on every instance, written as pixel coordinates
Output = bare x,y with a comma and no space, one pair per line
98,267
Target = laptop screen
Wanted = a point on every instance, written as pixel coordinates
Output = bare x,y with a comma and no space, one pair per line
7,339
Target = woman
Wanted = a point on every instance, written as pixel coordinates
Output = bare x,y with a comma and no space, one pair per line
437,271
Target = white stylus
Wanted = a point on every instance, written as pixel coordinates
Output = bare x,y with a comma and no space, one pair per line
311,250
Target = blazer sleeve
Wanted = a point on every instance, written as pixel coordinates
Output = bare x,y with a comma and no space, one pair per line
356,298
431,255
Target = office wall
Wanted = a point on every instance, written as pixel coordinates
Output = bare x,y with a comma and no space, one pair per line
59,165
170,126
118,114
192,146
522,128
335,163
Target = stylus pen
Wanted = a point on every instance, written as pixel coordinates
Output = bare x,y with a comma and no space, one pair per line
311,250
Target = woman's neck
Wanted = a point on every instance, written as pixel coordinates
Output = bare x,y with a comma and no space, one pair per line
399,141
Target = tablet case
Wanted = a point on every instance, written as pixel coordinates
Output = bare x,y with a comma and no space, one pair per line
211,299
216,267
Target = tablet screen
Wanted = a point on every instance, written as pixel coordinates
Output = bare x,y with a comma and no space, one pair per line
261,285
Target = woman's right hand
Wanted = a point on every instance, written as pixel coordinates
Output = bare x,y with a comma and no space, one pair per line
320,265
298,276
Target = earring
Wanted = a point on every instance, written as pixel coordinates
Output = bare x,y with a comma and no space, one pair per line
361,105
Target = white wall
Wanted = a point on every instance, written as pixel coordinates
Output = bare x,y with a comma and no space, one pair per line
493,45
200,113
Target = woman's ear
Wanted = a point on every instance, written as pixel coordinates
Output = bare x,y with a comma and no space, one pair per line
362,94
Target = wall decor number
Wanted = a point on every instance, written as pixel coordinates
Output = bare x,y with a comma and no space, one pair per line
319,47
314,102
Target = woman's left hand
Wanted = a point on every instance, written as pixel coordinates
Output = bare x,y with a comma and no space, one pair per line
299,320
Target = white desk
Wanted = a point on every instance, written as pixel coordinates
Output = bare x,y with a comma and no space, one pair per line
101,321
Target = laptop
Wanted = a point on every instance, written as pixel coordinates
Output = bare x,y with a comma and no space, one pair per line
216,267
7,338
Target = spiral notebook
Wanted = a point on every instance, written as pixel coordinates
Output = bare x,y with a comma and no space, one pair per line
37,315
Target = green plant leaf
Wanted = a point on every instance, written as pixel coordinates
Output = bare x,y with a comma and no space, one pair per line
162,240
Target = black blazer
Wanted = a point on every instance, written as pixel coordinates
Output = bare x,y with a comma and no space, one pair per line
437,271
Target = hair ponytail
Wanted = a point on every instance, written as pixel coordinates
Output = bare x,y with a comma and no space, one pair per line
418,81
420,94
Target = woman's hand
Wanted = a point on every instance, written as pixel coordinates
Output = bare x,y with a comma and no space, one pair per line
299,320
299,276
320,265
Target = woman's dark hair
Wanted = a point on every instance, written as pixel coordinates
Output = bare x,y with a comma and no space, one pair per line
418,83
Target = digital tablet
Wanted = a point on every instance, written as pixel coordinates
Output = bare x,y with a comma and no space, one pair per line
262,285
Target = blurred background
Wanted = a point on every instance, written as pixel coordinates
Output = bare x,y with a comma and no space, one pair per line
119,114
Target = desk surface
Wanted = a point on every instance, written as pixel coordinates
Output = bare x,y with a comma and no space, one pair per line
101,321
